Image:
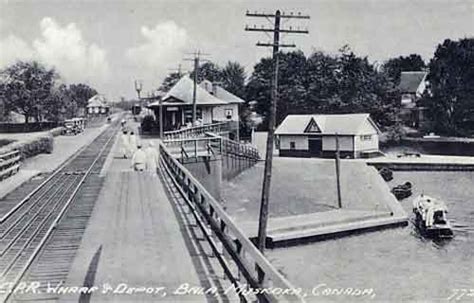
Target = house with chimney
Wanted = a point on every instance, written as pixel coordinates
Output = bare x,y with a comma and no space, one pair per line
413,85
213,104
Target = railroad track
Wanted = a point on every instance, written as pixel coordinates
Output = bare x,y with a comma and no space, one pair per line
40,234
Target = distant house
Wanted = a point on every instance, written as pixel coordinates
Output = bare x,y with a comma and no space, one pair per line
213,104
315,136
412,86
97,106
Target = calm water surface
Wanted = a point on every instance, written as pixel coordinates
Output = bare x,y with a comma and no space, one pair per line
397,263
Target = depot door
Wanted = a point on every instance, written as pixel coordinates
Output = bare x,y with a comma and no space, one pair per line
315,146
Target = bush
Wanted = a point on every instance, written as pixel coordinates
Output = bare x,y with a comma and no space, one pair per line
31,147
148,123
395,134
4,142
56,131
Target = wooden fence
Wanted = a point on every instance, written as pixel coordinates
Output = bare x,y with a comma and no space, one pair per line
9,164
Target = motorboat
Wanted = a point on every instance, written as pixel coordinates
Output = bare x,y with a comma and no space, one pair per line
402,191
386,174
431,217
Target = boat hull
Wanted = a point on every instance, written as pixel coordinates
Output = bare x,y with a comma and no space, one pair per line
436,231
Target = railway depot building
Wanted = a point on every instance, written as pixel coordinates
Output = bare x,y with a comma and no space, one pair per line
213,104
97,106
315,136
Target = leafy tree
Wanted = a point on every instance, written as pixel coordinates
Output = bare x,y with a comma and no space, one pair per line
81,93
233,78
344,83
450,105
59,105
393,67
169,81
209,71
27,86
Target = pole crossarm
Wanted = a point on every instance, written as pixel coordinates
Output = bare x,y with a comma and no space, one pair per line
272,30
273,45
282,15
267,174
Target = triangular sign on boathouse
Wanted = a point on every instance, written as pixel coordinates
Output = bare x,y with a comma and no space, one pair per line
312,127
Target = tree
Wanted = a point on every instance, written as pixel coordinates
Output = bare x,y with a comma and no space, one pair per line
393,67
81,93
209,71
59,105
327,84
169,81
27,86
233,79
450,105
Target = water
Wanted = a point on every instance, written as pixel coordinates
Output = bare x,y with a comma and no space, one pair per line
397,263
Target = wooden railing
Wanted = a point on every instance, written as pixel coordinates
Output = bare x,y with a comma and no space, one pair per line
9,164
260,276
235,148
194,147
196,131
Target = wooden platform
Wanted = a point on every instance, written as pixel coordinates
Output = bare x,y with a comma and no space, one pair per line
136,241
424,163
291,230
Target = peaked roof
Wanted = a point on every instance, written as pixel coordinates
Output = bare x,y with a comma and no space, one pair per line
182,93
347,124
219,92
97,101
410,81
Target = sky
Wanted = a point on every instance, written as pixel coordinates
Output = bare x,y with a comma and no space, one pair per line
110,43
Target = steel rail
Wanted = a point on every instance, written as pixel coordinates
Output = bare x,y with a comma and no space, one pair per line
52,227
37,230
34,217
18,220
34,191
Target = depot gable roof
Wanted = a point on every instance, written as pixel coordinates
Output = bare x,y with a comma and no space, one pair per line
97,101
346,124
219,92
182,93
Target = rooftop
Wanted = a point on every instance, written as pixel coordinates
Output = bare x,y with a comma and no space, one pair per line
182,93
410,81
344,124
97,101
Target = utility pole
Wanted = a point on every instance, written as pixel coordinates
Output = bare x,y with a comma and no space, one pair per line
338,177
196,60
161,117
276,30
178,70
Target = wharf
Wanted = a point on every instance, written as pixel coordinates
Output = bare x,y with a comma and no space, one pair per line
304,201
424,163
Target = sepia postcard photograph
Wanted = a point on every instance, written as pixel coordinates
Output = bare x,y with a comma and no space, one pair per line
236,151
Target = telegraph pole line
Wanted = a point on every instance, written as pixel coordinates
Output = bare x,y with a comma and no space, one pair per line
276,30
196,60
178,70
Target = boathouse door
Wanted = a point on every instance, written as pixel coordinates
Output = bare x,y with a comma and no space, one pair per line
315,146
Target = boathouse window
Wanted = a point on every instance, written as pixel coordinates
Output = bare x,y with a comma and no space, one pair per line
292,145
366,137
